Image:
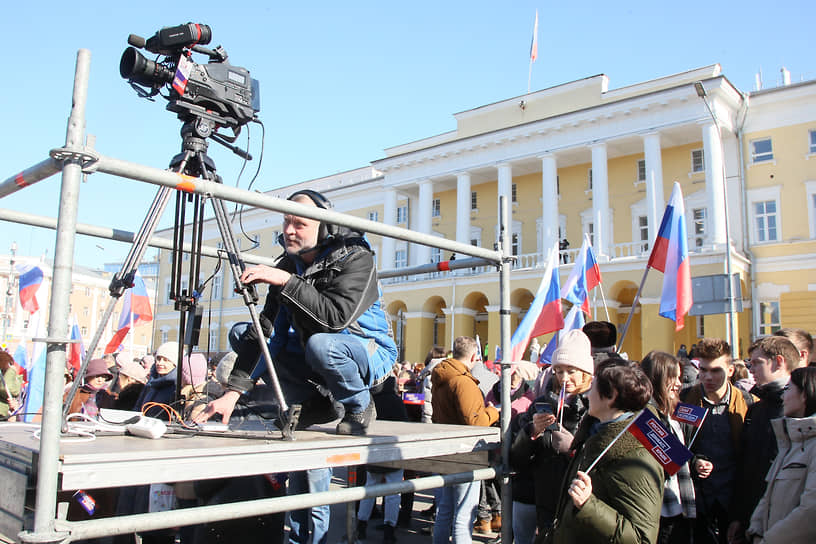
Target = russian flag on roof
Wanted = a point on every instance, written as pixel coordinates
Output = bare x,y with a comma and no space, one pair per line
544,314
585,276
137,304
30,281
670,256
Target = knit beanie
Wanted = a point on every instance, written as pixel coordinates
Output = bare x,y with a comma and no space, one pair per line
574,350
169,350
133,370
194,372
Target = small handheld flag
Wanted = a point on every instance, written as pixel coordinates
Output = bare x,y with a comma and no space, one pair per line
660,442
30,281
561,398
688,413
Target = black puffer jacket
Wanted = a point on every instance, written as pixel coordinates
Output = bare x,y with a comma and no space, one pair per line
539,467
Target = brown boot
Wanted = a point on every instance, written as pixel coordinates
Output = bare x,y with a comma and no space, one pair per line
495,523
482,526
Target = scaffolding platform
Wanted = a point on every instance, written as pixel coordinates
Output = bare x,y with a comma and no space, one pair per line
117,460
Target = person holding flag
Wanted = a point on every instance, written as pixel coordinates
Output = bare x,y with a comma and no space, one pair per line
543,434
620,500
679,501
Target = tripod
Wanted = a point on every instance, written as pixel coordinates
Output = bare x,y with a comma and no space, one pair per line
192,161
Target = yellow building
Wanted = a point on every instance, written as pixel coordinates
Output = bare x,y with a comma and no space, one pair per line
581,159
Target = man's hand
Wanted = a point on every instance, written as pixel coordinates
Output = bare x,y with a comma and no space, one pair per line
265,274
580,489
703,468
224,406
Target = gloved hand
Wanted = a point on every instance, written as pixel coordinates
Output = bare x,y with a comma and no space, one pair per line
561,440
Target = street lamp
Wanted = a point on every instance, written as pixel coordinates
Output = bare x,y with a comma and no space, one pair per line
701,92
9,306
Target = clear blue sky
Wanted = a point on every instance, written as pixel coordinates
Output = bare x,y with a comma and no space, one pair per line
342,81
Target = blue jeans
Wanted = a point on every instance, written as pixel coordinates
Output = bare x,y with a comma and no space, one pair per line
337,361
524,523
315,519
391,503
455,513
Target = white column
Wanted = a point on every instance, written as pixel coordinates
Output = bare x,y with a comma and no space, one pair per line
549,204
422,254
463,208
505,185
715,184
600,199
386,258
655,201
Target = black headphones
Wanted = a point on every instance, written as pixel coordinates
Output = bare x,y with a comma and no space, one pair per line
326,231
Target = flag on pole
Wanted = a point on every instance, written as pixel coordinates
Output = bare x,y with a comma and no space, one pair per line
534,43
76,348
30,281
670,256
688,413
544,314
585,276
660,442
35,370
135,311
573,320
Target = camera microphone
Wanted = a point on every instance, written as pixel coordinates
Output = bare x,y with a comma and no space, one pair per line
136,41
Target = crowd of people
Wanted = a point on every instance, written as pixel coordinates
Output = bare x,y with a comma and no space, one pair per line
577,475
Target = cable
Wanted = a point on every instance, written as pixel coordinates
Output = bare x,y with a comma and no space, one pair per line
240,210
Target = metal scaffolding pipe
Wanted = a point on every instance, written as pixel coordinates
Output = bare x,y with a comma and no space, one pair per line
82,530
118,235
189,184
442,266
61,282
30,176
504,338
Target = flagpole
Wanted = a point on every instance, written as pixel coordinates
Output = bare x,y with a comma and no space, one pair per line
603,298
606,449
529,76
562,399
632,310
693,438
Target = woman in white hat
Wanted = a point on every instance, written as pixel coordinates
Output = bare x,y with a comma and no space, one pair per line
543,434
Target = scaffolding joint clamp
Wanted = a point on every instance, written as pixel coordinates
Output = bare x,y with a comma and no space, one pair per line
84,155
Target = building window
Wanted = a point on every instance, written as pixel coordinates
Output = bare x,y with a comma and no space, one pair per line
643,231
402,214
216,286
87,291
589,179
765,221
700,326
86,311
436,208
641,170
373,216
168,289
590,231
84,331
213,342
474,201
514,243
761,150
436,255
699,218
163,336
812,135
400,258
768,317
439,323
697,161
513,193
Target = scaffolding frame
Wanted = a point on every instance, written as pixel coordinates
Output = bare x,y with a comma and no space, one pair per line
74,160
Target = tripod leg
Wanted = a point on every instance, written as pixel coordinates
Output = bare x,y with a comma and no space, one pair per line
122,280
289,416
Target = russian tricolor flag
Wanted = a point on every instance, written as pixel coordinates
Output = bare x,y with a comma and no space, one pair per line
75,348
670,256
585,276
534,43
573,320
544,314
135,311
30,281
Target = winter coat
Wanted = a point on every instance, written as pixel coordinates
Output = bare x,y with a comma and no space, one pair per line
521,398
627,489
161,389
786,511
457,398
337,293
10,386
540,467
758,447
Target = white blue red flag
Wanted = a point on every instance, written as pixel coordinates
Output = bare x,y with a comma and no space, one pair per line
544,314
688,413
585,276
75,348
573,320
182,74
135,311
30,281
534,43
670,256
660,442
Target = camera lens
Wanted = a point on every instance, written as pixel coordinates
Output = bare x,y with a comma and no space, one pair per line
134,66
